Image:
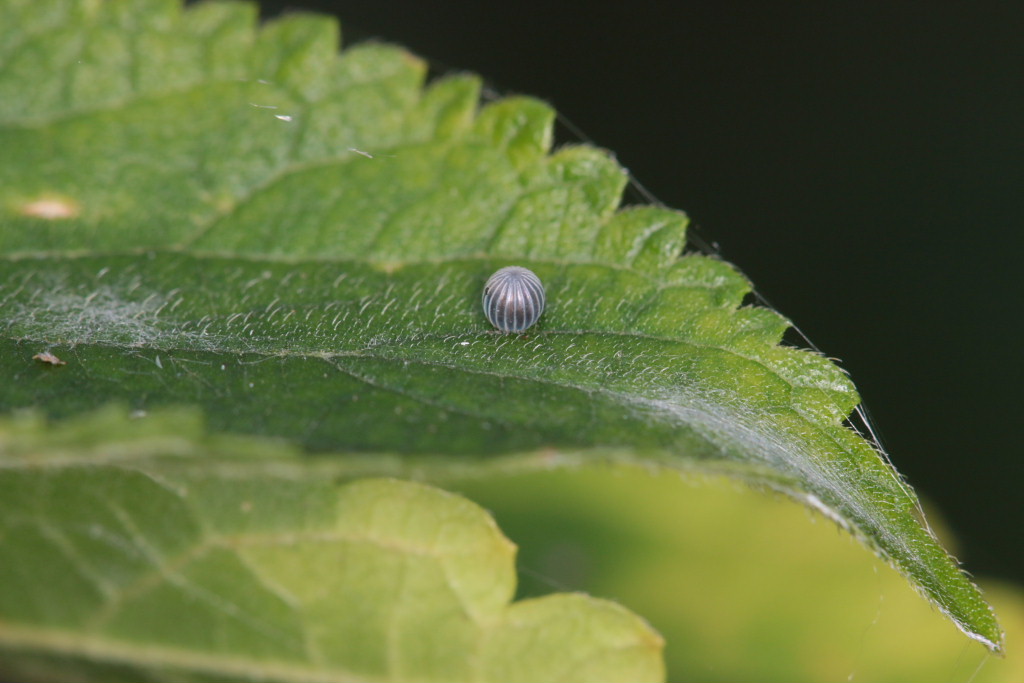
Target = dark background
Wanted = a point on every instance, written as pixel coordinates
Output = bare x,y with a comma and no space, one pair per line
860,162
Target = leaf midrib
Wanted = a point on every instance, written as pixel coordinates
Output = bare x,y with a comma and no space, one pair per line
365,352
620,396
51,642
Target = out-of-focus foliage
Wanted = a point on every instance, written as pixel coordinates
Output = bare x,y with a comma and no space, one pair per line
744,587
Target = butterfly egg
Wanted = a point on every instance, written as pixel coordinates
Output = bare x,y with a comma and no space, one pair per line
513,299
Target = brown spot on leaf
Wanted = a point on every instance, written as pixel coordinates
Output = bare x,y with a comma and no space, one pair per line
48,358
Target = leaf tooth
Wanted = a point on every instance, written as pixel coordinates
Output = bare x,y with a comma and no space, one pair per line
521,125
448,107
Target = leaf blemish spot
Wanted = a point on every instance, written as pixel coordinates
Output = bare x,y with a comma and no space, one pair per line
48,358
51,208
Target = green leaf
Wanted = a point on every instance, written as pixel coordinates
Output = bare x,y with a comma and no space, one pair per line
194,211
196,573
799,601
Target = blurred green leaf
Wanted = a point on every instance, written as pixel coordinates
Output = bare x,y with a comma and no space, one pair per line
194,211
719,572
173,570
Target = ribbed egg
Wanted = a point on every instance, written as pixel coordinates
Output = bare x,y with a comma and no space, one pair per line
513,299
